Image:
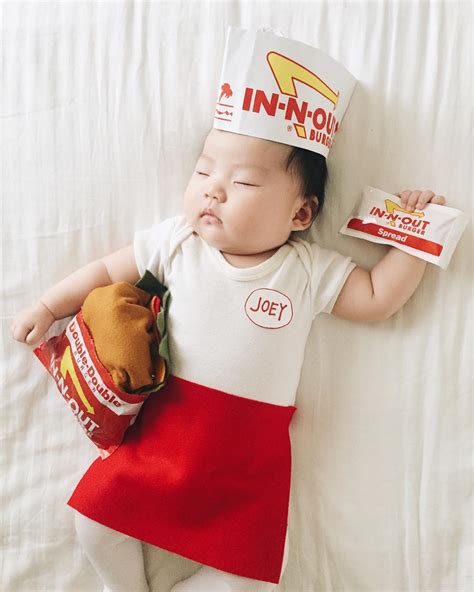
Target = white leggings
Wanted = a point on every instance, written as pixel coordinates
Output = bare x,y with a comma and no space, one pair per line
118,560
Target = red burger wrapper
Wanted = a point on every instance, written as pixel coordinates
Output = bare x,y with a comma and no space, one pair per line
103,410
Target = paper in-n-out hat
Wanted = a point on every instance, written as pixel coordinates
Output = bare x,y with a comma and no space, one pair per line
279,89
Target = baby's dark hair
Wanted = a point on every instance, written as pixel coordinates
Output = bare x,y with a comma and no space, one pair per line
310,168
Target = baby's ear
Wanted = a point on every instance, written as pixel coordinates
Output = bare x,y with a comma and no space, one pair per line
306,214
314,205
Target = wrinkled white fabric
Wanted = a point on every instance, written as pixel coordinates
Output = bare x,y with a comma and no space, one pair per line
104,107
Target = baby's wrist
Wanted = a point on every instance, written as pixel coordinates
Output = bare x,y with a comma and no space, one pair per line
44,306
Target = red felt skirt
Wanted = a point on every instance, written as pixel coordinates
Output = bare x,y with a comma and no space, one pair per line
202,473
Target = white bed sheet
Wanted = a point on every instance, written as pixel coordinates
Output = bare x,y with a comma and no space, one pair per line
104,108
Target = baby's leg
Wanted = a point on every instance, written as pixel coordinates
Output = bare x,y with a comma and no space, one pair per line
208,579
116,557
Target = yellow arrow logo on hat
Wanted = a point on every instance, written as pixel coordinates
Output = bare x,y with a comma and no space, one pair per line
287,71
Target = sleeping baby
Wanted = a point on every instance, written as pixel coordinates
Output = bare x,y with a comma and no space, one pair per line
205,470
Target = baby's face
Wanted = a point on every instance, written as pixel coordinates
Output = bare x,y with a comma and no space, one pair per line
244,181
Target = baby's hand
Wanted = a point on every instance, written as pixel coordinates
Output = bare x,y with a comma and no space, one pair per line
412,200
31,324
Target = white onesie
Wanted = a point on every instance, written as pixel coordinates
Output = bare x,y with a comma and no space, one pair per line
240,330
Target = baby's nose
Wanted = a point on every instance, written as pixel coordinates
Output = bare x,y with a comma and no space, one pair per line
216,192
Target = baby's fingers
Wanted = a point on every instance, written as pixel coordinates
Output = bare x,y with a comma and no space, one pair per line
20,331
34,335
404,197
438,199
411,200
30,325
29,334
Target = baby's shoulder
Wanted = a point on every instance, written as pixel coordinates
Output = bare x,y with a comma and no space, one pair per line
316,258
305,249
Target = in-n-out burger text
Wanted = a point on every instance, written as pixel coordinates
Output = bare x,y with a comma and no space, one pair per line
84,419
325,124
413,224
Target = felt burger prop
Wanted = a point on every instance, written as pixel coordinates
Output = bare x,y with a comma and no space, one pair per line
112,355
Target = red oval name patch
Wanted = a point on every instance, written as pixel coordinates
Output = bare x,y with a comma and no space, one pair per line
269,308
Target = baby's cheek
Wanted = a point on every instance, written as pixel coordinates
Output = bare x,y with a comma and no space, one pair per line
190,191
189,206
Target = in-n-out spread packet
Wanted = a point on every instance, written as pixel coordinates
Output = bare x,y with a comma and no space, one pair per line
103,410
430,234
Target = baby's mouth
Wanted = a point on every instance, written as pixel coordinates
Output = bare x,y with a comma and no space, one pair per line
208,214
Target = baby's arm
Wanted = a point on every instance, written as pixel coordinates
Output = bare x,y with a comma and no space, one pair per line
66,297
378,294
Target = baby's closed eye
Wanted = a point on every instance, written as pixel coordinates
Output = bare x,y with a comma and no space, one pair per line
243,183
